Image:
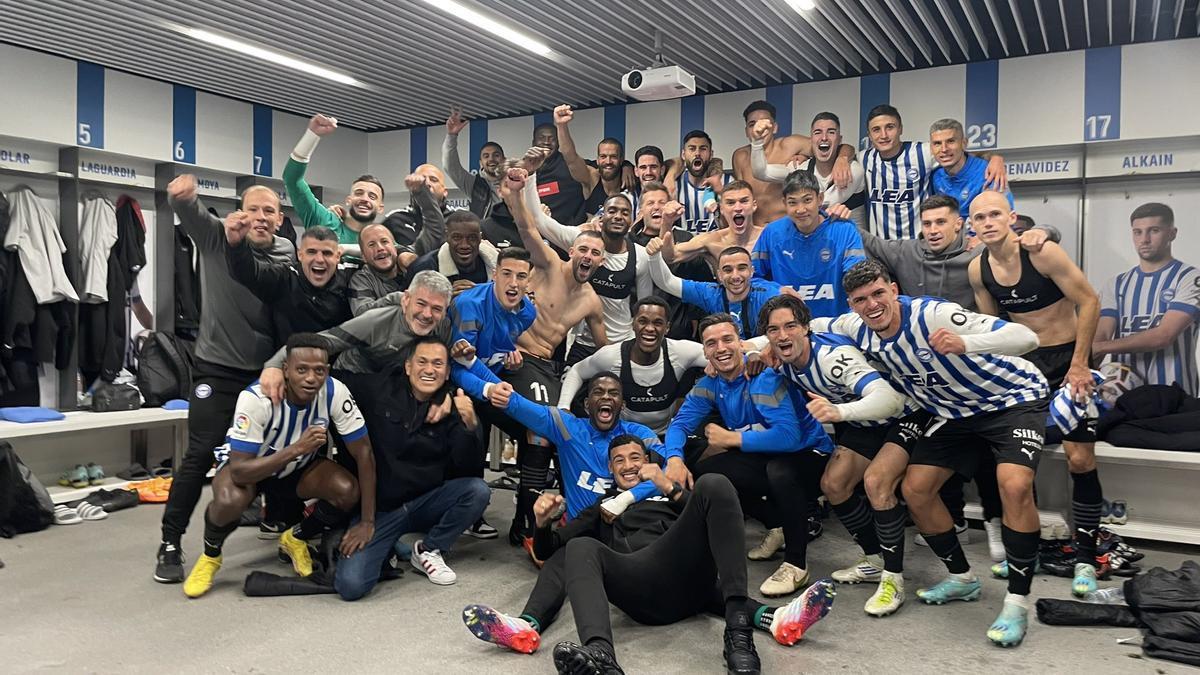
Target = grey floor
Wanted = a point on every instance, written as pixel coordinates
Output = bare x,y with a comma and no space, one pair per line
81,599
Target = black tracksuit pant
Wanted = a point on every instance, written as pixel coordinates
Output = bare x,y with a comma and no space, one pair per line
669,580
211,402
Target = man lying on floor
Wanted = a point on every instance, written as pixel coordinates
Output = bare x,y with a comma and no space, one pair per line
692,543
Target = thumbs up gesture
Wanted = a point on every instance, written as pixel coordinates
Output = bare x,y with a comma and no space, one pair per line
822,410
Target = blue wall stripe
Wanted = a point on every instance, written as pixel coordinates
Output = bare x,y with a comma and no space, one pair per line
872,90
418,147
1102,94
264,141
691,116
479,136
781,97
544,117
983,104
614,125
89,105
183,123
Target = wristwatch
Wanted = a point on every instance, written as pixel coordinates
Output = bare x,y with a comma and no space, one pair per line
675,489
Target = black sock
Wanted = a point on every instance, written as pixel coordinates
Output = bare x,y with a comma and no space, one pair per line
535,467
324,517
889,527
855,514
1087,501
737,614
1021,549
215,535
603,645
763,617
946,547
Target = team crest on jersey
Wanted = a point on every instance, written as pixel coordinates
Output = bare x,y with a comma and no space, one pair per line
925,355
1168,295
914,174
203,391
241,422
826,255
965,194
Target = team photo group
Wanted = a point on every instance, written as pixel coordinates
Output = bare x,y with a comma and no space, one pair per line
676,346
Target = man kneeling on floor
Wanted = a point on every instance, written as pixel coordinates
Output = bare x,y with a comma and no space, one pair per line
417,463
691,543
273,448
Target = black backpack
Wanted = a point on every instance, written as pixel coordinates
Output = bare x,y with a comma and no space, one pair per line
25,506
164,368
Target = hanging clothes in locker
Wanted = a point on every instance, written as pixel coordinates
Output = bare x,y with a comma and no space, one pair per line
103,327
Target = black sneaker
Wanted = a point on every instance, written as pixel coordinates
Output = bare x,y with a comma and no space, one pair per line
815,528
482,530
170,564
517,534
268,530
740,656
573,659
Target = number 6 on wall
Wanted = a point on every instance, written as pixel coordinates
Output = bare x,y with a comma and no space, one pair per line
180,154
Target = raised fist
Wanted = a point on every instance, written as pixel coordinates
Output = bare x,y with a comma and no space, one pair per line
237,224
182,188
322,125
563,114
414,182
534,158
761,129
455,123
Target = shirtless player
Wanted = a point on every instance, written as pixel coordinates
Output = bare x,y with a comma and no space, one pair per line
779,151
737,206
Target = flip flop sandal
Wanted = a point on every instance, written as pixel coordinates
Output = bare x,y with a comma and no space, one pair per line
95,473
153,491
65,515
134,472
90,511
76,478
162,472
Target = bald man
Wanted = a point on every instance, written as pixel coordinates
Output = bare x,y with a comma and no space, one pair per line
361,207
236,336
407,224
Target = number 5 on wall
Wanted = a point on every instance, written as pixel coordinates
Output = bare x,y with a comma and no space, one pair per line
85,134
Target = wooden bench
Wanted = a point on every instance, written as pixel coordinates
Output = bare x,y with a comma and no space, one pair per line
80,422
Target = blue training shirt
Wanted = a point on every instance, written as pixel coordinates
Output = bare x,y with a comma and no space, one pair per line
477,317
583,450
965,185
813,264
760,408
710,297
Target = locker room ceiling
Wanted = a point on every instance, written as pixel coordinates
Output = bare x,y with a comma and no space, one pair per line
413,78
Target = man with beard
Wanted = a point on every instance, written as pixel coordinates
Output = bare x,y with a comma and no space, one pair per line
465,259
826,141
409,225
556,187
382,271
649,363
737,208
736,291
782,151
483,189
235,336
362,206
648,167
623,278
563,298
773,453
599,182
696,183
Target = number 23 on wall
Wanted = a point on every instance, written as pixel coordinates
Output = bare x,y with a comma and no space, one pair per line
981,136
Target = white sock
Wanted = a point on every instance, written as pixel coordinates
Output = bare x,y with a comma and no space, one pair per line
897,579
965,576
1021,601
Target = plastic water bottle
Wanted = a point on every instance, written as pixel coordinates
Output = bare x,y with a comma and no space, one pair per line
1107,596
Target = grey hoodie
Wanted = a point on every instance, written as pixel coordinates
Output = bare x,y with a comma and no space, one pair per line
919,271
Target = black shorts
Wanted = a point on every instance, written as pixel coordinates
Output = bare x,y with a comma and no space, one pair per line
867,441
538,379
1054,362
1014,435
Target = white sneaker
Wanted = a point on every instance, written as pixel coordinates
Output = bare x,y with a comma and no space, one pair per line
962,530
769,546
786,580
888,597
994,540
430,564
868,568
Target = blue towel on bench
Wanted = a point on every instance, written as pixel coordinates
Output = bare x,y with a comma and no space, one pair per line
26,414
176,404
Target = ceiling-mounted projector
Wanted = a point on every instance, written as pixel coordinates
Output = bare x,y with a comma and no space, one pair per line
659,80
656,84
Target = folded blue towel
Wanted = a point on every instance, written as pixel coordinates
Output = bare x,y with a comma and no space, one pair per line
176,404
25,414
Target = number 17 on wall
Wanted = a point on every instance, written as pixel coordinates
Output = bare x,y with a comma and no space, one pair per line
1097,127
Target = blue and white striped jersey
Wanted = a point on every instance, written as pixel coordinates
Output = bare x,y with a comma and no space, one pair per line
694,219
838,371
262,428
951,385
896,187
1138,301
635,202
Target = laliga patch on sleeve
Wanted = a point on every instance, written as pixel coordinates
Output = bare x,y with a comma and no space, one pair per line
547,189
241,423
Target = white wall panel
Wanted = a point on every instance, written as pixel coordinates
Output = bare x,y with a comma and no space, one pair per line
514,134
339,159
387,160
224,134
839,97
723,121
654,123
39,96
1041,100
1058,206
1160,89
138,116
436,136
927,95
587,128
286,129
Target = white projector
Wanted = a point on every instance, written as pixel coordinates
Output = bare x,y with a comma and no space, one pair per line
656,84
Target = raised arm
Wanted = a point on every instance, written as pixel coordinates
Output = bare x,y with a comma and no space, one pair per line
195,221
580,171
433,228
451,161
308,208
511,188
662,275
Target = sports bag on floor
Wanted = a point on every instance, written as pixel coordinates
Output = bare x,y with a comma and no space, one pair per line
164,368
25,506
